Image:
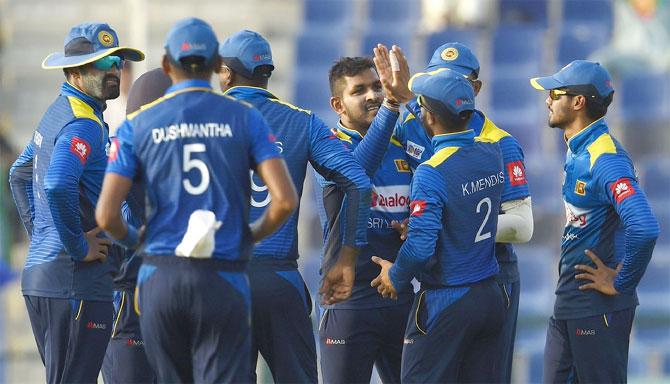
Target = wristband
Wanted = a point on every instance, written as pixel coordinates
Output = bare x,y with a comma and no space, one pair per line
131,239
391,105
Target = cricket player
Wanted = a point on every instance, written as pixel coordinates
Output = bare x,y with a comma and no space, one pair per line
453,332
281,305
56,181
125,360
194,149
515,221
588,334
367,330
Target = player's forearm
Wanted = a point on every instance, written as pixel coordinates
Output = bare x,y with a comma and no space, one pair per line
63,199
272,219
515,223
350,178
641,232
21,185
370,152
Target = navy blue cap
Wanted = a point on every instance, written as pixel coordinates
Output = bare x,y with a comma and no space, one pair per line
191,37
147,88
456,57
246,50
580,74
88,42
449,88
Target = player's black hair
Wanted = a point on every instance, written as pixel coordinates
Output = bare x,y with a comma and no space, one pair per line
595,109
448,119
194,66
347,67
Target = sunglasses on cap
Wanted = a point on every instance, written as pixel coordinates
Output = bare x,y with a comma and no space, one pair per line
107,62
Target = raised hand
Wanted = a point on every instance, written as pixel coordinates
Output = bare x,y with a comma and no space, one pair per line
394,76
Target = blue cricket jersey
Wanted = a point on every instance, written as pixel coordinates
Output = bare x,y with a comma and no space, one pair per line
602,201
390,201
56,183
193,149
453,220
301,138
417,144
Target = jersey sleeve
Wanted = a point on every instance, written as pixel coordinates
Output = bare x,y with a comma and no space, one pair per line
21,185
335,163
70,154
369,153
122,158
516,183
618,186
262,140
425,223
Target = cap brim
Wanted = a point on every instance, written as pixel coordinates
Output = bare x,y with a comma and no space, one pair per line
58,60
545,83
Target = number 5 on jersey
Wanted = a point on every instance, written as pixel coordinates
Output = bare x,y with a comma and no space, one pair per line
191,163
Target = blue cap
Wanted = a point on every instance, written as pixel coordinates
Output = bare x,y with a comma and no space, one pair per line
87,43
587,77
456,57
191,37
449,88
246,50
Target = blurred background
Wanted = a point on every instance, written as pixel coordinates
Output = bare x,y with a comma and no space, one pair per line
513,39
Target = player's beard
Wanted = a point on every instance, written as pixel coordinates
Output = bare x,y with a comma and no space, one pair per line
102,86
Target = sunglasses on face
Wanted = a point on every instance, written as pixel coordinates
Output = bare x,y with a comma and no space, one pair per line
556,94
107,62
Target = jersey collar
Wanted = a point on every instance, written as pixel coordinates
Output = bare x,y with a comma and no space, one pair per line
195,83
458,139
68,89
350,132
244,91
583,138
477,121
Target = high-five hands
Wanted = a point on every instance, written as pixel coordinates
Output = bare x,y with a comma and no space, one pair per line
393,72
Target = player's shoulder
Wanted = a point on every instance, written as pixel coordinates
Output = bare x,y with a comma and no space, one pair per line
606,152
81,110
490,131
441,157
285,105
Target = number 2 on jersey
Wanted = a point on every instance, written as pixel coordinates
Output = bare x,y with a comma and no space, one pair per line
483,236
200,165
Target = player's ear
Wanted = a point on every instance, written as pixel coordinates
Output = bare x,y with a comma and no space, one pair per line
579,102
165,64
337,105
477,85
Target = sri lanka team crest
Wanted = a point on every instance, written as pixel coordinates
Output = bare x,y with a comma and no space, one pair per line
449,54
401,165
580,188
106,38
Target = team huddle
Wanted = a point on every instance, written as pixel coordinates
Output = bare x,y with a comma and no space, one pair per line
169,253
